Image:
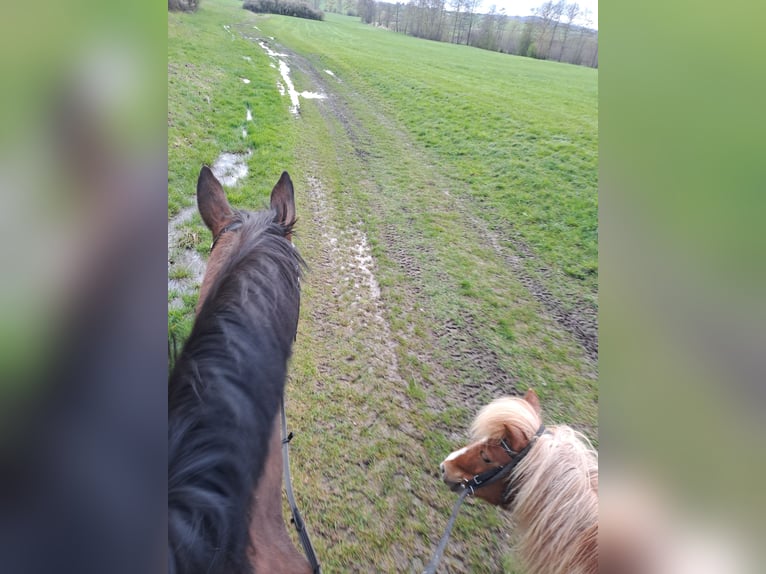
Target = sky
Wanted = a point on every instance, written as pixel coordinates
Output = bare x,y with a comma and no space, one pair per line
525,7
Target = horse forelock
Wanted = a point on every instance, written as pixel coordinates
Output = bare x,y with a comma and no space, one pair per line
492,420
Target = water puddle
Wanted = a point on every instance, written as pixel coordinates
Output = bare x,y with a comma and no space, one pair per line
365,263
186,267
229,168
269,52
286,86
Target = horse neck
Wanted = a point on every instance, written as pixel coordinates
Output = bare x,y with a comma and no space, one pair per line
555,508
271,549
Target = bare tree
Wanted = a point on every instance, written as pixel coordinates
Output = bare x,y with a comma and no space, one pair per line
587,22
572,12
556,13
396,16
366,10
501,21
457,5
544,13
525,47
471,6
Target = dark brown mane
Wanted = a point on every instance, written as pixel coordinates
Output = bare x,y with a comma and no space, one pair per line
223,395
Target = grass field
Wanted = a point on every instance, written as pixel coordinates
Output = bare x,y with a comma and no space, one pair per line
447,202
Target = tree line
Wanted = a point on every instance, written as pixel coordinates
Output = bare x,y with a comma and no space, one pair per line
295,8
555,31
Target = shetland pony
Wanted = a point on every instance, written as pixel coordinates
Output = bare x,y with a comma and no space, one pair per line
225,393
551,492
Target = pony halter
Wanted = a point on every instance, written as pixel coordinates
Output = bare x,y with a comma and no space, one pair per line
494,474
480,480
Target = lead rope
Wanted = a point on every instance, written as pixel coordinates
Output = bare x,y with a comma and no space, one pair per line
479,481
431,568
303,534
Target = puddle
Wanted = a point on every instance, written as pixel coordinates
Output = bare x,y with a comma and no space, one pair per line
193,267
186,267
229,168
364,262
286,86
284,70
269,51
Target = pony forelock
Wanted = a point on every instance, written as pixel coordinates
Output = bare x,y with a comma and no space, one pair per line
494,418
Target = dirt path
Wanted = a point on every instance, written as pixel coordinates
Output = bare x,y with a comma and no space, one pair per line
367,418
578,318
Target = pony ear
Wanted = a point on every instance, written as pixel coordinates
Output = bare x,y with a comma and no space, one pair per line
515,437
211,201
283,200
531,398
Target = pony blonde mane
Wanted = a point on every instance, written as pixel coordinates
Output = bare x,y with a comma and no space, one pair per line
552,495
492,420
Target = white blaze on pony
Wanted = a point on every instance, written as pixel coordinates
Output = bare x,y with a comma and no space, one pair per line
454,455
551,493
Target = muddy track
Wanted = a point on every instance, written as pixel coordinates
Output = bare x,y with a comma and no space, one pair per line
364,363
462,343
579,318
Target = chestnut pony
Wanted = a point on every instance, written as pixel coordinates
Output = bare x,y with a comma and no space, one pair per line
226,390
551,489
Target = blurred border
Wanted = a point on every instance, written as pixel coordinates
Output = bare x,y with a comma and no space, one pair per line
83,304
682,360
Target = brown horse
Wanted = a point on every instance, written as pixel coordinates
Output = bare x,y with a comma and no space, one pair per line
551,489
226,390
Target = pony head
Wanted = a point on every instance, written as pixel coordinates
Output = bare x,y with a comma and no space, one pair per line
501,430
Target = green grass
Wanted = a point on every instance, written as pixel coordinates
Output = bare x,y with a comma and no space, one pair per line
207,109
423,147
519,134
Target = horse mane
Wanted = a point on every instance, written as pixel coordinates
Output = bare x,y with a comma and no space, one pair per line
223,394
552,495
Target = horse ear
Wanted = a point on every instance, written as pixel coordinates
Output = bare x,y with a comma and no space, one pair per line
283,200
531,398
211,201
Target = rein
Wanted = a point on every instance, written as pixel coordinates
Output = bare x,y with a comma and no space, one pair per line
297,520
479,481
231,227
